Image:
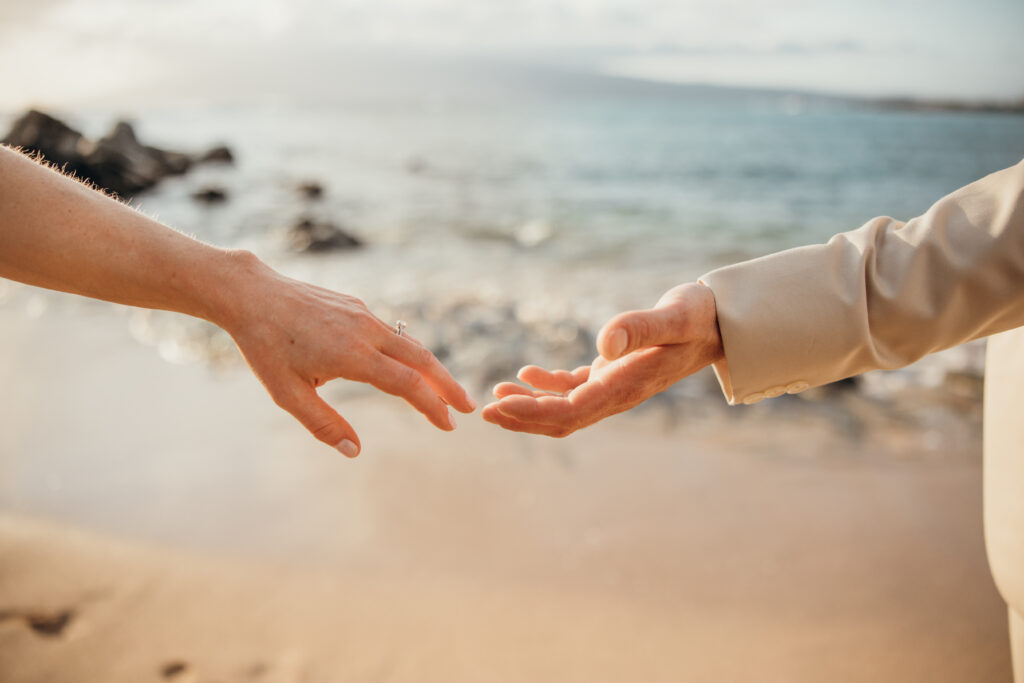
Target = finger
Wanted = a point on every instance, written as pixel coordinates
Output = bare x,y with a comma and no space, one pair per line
413,354
633,330
559,381
491,414
511,389
399,379
320,419
550,410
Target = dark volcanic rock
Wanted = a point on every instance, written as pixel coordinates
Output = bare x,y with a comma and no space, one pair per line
123,165
311,190
118,162
39,133
210,195
314,236
219,154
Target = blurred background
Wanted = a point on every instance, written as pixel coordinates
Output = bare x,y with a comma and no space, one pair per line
505,177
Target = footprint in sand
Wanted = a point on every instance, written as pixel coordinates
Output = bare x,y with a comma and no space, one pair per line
288,669
174,669
49,624
180,671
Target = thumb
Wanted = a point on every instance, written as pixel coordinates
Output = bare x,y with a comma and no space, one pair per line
634,330
321,420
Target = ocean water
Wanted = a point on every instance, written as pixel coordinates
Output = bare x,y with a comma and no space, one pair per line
507,228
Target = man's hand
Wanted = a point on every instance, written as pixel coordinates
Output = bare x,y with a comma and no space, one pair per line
642,353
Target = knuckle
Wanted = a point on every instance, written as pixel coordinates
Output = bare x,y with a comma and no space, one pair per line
421,355
404,382
408,378
642,329
330,433
676,320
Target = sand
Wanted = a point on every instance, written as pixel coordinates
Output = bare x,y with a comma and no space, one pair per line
163,522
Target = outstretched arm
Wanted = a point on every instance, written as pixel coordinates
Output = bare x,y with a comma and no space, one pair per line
878,297
881,296
57,233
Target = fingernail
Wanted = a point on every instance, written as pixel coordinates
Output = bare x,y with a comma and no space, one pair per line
616,343
451,418
348,448
470,401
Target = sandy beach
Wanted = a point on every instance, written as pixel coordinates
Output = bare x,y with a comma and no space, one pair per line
168,522
506,178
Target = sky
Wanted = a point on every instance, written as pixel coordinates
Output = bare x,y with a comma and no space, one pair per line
63,52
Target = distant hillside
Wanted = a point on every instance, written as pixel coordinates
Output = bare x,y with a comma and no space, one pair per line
907,104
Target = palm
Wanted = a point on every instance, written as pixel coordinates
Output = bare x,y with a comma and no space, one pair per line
561,402
682,336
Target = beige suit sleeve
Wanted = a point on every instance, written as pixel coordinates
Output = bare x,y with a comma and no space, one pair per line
881,296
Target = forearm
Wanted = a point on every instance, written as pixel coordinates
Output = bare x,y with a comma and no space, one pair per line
59,234
881,296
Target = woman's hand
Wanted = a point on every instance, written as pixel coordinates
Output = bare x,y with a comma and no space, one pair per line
57,233
642,354
296,337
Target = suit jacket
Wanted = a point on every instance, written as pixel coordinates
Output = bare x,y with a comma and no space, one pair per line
883,296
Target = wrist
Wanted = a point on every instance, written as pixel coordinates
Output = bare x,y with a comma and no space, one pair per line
226,288
714,343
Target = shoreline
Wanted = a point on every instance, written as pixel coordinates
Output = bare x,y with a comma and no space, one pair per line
126,442
195,529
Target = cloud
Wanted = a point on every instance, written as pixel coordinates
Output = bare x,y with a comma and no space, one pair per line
92,45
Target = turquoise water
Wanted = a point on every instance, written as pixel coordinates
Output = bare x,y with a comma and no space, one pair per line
507,229
696,182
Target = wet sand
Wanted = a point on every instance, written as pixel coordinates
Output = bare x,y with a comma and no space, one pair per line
166,522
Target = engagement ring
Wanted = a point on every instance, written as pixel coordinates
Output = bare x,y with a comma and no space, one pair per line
399,327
